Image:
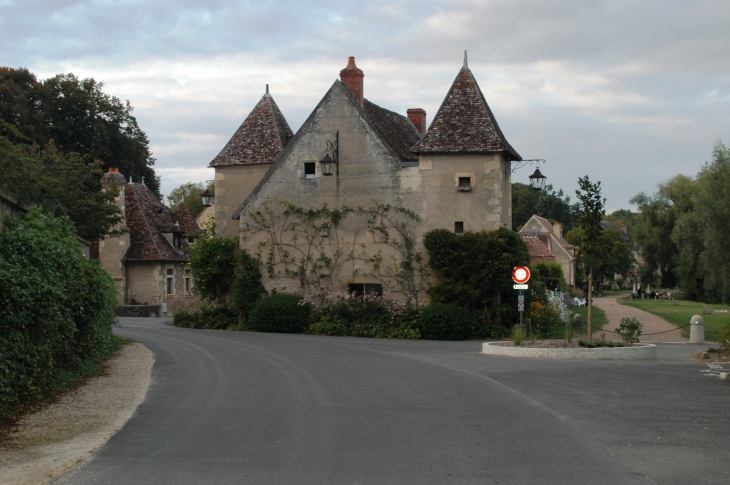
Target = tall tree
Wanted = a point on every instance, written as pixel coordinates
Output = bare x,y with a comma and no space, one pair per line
67,183
591,246
79,117
655,225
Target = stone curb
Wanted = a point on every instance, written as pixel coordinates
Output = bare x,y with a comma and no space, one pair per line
638,352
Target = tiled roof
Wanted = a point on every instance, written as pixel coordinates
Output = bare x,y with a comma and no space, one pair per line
185,218
464,123
397,130
548,225
148,219
539,252
260,139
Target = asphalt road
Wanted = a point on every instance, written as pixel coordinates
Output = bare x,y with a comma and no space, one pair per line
256,408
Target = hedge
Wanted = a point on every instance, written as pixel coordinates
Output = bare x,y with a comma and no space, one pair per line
56,309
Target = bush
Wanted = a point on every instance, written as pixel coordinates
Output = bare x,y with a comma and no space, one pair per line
209,318
213,264
246,286
363,316
279,312
629,329
57,309
445,322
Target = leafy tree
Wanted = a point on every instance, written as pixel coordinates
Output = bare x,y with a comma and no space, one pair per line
625,217
615,252
591,246
655,225
67,181
474,271
548,203
190,193
79,117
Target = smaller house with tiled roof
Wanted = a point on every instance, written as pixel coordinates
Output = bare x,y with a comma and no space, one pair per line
543,238
244,160
149,261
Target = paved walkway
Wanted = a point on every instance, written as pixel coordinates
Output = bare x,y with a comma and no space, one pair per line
652,323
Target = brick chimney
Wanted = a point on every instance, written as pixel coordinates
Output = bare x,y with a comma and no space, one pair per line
112,177
558,230
418,118
352,77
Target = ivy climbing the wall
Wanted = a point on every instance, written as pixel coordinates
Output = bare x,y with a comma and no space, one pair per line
323,248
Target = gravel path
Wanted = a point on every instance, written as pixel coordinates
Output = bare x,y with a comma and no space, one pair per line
53,441
652,323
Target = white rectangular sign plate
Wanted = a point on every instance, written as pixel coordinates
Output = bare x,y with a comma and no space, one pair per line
519,287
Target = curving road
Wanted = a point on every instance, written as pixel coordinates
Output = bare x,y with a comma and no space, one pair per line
256,408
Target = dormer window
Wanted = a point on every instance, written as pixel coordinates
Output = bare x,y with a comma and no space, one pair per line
309,170
176,240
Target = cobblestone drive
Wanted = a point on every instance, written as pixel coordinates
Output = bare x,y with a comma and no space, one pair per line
652,323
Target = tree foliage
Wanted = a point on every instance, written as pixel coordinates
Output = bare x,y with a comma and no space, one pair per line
67,181
213,264
79,117
474,271
56,308
190,193
615,252
590,215
547,203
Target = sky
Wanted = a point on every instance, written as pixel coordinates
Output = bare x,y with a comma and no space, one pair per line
630,93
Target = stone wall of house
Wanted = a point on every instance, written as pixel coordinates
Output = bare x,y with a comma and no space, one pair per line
233,183
432,190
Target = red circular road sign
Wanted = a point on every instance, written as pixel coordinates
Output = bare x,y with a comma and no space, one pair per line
521,274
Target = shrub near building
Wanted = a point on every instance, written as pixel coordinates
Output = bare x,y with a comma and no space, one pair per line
56,309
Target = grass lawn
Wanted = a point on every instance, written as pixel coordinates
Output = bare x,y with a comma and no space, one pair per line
599,320
616,292
681,314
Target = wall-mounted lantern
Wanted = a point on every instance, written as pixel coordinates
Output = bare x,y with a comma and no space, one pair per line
207,198
327,161
537,179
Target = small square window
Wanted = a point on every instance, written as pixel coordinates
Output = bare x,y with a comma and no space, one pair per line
464,184
374,289
357,288
459,227
191,240
170,272
309,170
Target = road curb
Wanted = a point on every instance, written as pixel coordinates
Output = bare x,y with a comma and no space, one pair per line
637,352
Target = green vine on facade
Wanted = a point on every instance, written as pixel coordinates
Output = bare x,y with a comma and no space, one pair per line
321,248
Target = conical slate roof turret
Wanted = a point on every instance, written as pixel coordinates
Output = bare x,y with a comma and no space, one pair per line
464,123
261,137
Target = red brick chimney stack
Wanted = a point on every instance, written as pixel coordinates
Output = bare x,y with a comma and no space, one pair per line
418,118
352,77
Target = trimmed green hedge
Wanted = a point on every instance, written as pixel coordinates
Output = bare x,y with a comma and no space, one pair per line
220,318
279,312
56,309
445,322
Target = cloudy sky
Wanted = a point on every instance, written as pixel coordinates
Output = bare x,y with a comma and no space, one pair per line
630,93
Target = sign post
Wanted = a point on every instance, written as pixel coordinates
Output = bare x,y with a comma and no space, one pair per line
521,275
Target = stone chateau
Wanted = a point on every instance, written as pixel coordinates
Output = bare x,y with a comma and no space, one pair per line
355,230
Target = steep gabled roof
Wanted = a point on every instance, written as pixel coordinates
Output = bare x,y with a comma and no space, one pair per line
148,219
464,123
260,139
397,130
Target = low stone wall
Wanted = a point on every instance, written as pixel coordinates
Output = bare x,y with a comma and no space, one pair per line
637,352
154,311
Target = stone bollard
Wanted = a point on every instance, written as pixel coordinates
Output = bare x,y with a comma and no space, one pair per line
577,326
697,330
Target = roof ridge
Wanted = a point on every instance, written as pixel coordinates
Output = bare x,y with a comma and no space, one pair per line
144,218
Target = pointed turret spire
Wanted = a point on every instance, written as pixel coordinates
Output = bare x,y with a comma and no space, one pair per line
464,123
261,137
